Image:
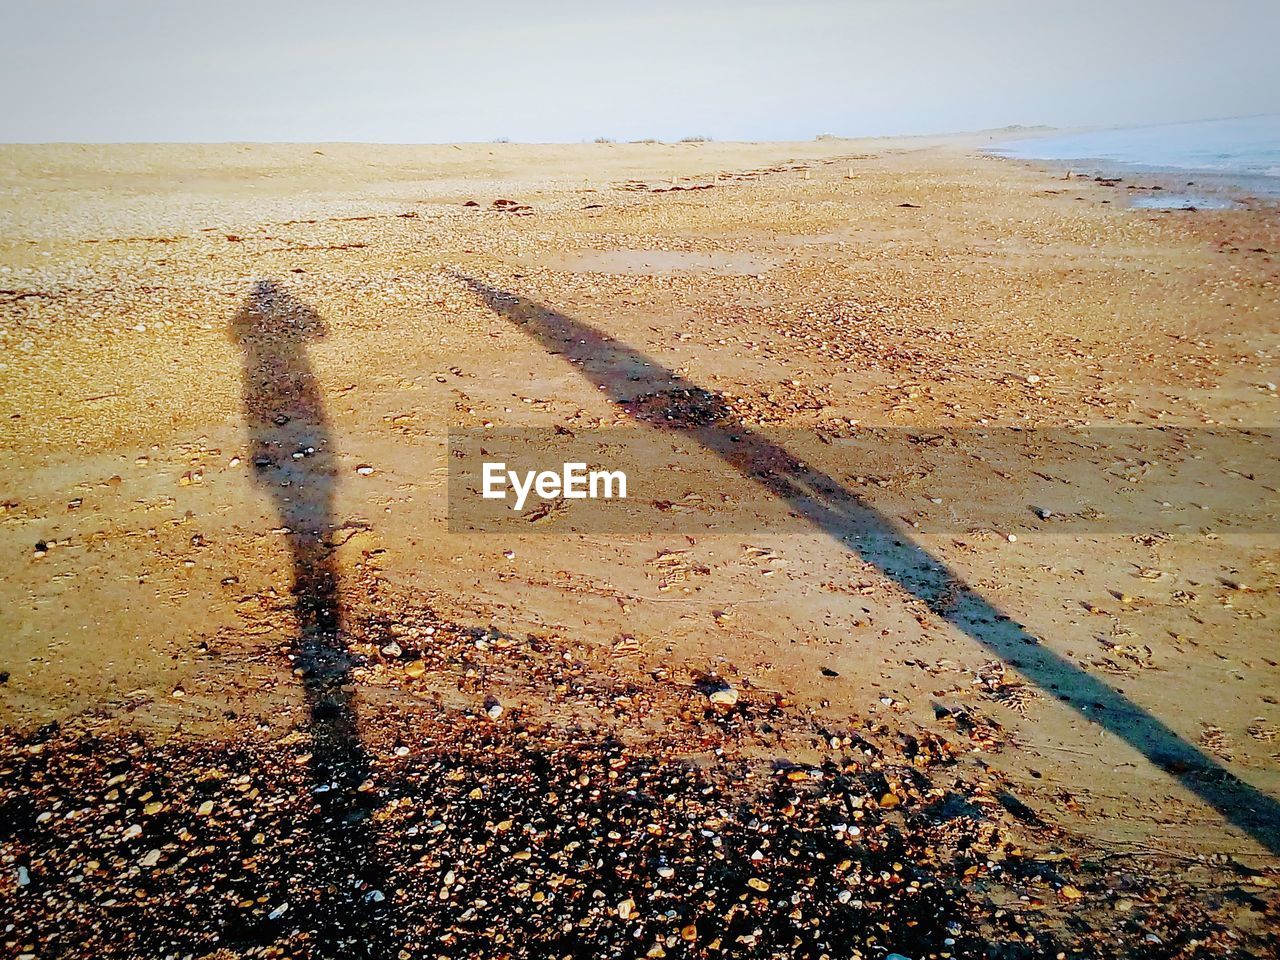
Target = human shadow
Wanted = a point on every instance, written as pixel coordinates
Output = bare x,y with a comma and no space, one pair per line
824,503
293,460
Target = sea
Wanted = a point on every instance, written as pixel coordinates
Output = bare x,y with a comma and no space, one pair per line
1210,163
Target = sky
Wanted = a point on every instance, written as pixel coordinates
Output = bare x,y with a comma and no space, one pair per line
429,72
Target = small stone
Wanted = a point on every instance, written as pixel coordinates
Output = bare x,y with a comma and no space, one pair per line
494,709
278,912
1070,893
415,668
150,858
724,696
24,878
364,469
755,883
626,908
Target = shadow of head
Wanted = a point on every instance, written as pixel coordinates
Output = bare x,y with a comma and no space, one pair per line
283,401
271,315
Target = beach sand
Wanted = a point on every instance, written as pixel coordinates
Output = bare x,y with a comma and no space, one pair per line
234,686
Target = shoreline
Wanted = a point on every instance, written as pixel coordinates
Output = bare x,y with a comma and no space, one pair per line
1230,158
1221,190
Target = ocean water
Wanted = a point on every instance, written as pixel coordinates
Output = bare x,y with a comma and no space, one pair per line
1242,153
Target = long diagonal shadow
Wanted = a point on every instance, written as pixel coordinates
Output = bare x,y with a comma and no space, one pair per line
859,527
293,460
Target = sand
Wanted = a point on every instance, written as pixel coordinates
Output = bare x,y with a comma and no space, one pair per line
156,583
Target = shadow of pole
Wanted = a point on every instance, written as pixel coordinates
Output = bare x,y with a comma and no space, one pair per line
877,539
292,459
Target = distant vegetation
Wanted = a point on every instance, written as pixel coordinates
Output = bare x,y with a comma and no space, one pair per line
695,139
604,140
828,136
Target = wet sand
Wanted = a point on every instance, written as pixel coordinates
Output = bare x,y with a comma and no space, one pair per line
1064,741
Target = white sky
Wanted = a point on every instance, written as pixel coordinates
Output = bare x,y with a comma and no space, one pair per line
399,71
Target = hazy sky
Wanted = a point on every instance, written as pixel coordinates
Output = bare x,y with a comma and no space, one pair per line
385,70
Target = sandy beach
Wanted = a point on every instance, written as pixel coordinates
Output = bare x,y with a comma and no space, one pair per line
261,698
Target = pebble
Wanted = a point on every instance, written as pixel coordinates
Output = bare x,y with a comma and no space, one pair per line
479,820
724,696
